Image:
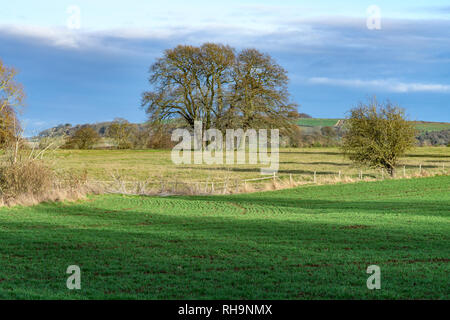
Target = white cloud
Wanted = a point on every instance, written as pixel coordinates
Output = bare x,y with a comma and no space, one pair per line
54,36
290,30
390,85
65,38
61,37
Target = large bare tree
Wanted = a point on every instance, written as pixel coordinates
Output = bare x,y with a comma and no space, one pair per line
215,69
212,84
174,91
260,94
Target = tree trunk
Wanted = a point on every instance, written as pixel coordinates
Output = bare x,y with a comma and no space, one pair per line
391,171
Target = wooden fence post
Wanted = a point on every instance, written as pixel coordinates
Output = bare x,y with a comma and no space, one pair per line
315,176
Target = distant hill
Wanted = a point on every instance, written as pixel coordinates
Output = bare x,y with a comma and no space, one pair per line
430,133
68,129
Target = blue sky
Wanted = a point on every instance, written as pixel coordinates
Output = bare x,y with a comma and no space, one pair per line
98,72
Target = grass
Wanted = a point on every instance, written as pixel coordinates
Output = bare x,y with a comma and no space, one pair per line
316,122
305,243
301,163
432,126
420,125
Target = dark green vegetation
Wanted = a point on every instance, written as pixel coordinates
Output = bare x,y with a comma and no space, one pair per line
305,243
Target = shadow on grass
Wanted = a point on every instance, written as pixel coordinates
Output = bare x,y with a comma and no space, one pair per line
422,208
190,251
318,163
426,166
258,170
428,155
438,161
314,152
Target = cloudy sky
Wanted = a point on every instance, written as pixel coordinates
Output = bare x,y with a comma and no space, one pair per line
95,68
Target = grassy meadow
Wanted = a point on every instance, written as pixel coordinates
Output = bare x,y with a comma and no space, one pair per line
419,125
432,126
310,242
317,122
156,165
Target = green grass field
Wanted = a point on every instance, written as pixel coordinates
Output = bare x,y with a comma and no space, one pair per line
317,122
420,125
304,243
432,126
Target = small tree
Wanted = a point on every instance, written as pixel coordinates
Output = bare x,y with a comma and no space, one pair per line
161,135
377,135
11,92
121,131
84,138
9,126
12,98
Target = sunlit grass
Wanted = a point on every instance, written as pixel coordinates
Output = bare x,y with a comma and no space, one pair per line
304,243
301,163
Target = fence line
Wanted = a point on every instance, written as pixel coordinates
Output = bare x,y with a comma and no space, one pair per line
226,186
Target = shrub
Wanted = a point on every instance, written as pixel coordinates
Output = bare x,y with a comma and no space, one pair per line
29,177
328,132
26,180
160,137
378,134
84,138
141,138
121,131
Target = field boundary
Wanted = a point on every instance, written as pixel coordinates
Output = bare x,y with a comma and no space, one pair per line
163,186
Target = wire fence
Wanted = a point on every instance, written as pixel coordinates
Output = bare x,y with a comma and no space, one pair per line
174,186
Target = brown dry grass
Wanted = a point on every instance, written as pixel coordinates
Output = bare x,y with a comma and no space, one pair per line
27,180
